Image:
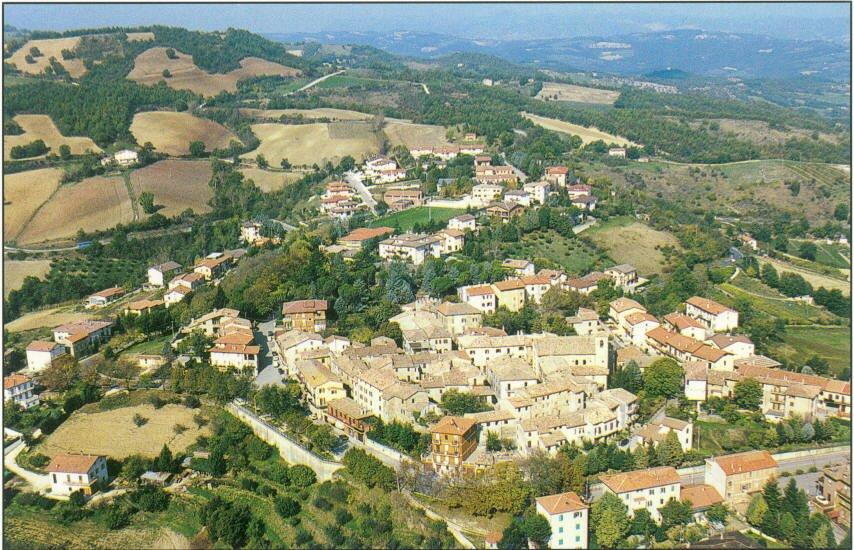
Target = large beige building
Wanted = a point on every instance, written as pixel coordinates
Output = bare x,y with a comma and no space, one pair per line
648,489
738,477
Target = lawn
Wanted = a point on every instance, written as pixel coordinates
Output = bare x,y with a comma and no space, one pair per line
831,343
629,241
406,219
548,247
716,437
149,347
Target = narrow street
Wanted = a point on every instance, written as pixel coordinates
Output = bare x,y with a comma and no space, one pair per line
356,181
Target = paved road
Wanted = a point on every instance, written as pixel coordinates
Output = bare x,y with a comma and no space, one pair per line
584,226
356,181
39,482
316,81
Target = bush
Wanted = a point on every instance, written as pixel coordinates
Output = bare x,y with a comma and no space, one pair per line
116,517
342,517
288,507
156,401
322,504
150,499
301,476
139,420
192,402
35,499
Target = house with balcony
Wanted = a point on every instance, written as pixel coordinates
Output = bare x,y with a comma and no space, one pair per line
19,390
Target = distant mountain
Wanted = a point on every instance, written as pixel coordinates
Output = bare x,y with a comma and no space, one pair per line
692,51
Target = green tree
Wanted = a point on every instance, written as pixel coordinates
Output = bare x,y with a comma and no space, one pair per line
537,529
841,212
146,200
748,394
197,148
808,250
459,403
663,378
756,510
286,506
609,520
717,512
167,73
669,452
642,523
301,476
134,466
514,536
675,512
262,161
64,152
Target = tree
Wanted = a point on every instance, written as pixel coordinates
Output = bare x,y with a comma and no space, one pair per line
642,523
841,212
134,466
170,53
301,476
262,161
609,520
287,507
770,276
457,403
493,442
62,373
197,148
537,529
663,378
146,200
166,73
819,365
675,512
64,152
756,510
669,451
165,462
514,536
748,394
808,250
717,512
285,164
629,378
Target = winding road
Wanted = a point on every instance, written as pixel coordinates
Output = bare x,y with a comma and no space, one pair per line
316,81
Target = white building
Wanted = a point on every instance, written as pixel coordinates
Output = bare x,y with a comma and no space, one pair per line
157,273
69,473
739,346
176,295
125,157
411,247
235,350
538,190
18,389
568,518
714,316
485,193
522,198
463,222
482,297
648,489
41,354
521,268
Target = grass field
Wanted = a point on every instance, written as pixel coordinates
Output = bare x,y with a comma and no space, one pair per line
176,184
574,255
831,255
587,135
93,204
140,36
409,134
812,277
150,64
50,47
113,432
42,127
632,242
408,218
46,318
269,181
307,144
171,133
23,194
758,131
715,438
831,343
577,94
321,112
14,272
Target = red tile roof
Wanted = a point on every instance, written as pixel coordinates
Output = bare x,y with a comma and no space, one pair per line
700,496
304,306
750,461
562,503
72,464
707,305
454,425
14,380
641,479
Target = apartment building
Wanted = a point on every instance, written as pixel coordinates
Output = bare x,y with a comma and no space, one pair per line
584,322
19,389
157,273
235,350
485,193
305,315
453,439
714,316
482,297
686,326
510,294
357,238
568,517
463,222
557,175
648,489
414,248
321,385
81,336
41,354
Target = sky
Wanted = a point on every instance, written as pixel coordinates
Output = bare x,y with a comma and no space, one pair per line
495,21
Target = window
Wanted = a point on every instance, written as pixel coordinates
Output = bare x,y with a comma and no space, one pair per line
560,529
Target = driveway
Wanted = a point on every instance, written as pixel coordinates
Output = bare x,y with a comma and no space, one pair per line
38,482
356,181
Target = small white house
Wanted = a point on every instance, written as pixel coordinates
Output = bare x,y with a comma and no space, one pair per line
157,273
125,157
41,354
463,222
18,389
69,473
567,516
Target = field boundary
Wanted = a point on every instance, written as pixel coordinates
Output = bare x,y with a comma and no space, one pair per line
129,186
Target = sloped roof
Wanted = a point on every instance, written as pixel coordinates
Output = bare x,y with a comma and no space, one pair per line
641,479
562,503
709,306
72,464
700,496
454,425
751,461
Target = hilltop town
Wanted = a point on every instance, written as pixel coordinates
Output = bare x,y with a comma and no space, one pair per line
449,334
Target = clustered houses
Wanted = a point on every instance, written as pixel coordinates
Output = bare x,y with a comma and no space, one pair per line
446,152
738,477
834,493
215,265
784,393
251,234
464,222
104,297
234,346
486,173
416,248
656,432
181,286
157,274
383,170
648,489
41,354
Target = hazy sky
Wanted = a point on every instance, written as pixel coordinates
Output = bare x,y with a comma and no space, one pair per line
792,20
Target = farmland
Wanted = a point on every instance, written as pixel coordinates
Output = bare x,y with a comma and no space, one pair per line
23,194
767,300
744,189
812,277
269,181
150,64
42,127
758,131
555,91
171,133
830,343
406,219
14,272
409,134
307,144
587,135
113,432
632,242
49,47
321,112
574,255
46,318
93,204
176,184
